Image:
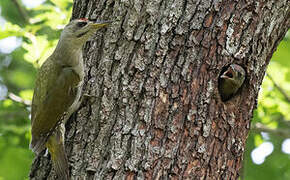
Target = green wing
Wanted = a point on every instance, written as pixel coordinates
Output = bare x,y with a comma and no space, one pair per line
55,91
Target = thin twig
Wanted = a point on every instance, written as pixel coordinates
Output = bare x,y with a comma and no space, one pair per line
21,10
284,121
18,99
279,132
279,88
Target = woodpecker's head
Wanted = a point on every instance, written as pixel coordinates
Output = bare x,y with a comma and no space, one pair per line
234,74
78,31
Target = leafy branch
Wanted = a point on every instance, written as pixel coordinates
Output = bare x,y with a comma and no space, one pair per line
280,89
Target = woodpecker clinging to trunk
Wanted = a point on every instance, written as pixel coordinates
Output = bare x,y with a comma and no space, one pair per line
57,92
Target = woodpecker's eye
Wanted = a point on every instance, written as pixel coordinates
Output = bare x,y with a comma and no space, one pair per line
81,24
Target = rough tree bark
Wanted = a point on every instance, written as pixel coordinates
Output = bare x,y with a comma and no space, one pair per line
157,112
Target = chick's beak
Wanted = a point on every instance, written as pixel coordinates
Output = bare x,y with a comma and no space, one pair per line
229,74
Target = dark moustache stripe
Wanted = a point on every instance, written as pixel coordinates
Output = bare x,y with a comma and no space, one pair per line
80,35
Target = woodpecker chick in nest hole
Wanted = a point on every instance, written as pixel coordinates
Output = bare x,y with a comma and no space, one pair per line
230,81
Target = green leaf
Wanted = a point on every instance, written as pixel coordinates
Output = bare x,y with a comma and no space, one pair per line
258,140
10,30
26,94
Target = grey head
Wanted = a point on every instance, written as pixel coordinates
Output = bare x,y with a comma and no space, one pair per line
78,31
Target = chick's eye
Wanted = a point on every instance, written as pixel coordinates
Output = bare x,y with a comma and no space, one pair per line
81,24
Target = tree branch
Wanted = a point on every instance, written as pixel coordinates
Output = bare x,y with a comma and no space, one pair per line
18,99
262,128
279,88
21,10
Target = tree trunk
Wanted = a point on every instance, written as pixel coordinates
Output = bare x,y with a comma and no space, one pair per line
155,110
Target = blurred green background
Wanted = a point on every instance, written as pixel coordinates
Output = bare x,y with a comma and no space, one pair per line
28,34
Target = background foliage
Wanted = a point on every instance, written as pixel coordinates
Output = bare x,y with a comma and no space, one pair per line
36,30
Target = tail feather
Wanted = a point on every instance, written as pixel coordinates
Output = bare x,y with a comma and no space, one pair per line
55,145
60,162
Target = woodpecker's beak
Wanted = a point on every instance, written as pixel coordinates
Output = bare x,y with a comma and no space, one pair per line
97,25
